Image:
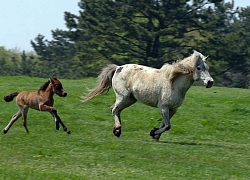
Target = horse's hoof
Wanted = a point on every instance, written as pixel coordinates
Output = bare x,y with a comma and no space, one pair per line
4,131
156,137
68,132
117,131
152,132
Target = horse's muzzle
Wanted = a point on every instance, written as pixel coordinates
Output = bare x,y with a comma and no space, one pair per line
64,94
209,84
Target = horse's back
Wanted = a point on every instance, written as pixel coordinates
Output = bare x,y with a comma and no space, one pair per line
135,70
28,98
143,82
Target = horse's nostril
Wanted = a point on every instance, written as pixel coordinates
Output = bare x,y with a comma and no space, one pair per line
209,84
65,94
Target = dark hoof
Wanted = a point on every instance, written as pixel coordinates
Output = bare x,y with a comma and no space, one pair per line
156,137
57,125
4,131
66,130
117,131
152,132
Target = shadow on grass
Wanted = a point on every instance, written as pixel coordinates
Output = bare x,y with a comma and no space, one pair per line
204,144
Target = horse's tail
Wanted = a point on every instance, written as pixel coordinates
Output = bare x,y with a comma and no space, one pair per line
10,97
104,82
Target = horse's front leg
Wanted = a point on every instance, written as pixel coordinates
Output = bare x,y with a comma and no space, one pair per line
53,111
165,124
43,107
59,121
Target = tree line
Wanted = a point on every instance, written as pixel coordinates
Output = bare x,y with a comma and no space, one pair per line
150,33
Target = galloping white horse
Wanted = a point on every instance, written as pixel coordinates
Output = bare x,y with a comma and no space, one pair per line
163,88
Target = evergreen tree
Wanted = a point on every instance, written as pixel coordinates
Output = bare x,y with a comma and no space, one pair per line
145,32
228,47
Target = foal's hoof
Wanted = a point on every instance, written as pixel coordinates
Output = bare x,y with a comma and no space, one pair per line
4,131
156,137
117,131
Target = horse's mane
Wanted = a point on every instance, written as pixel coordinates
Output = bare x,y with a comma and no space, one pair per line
186,66
44,86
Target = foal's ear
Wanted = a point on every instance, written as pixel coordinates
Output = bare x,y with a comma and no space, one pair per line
51,80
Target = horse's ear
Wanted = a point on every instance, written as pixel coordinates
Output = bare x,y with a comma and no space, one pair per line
51,80
205,58
195,52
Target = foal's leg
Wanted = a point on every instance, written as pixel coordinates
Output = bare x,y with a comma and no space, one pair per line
13,119
120,104
25,112
53,111
165,124
59,121
56,120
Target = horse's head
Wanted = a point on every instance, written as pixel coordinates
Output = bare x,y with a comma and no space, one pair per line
201,71
57,87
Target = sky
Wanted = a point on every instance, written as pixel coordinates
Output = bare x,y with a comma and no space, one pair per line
22,20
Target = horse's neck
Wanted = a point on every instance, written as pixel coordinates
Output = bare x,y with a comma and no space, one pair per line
49,91
183,83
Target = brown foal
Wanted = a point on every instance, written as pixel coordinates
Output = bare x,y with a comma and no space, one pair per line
41,100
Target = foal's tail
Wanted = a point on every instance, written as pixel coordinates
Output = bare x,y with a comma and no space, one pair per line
104,82
10,97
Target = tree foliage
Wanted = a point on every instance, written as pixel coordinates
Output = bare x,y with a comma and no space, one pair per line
151,33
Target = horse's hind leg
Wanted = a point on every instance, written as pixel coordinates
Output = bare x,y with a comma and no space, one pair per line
59,121
25,112
13,119
117,126
120,104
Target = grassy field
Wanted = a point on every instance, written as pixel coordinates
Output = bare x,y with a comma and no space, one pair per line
209,139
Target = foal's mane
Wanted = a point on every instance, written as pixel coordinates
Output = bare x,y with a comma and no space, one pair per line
44,86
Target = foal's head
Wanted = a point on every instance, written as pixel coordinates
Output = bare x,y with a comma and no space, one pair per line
57,87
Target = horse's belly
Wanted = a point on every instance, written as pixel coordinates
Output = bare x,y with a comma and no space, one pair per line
147,99
156,99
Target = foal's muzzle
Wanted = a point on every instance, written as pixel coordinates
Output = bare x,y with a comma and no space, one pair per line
62,94
209,84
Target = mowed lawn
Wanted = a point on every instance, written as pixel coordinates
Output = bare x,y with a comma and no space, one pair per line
209,139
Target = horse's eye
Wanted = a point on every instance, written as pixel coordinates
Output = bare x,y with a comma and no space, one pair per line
58,87
198,68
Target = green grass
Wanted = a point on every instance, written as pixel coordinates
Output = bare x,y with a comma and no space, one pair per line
209,138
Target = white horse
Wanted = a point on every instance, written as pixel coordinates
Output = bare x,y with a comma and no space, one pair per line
163,88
